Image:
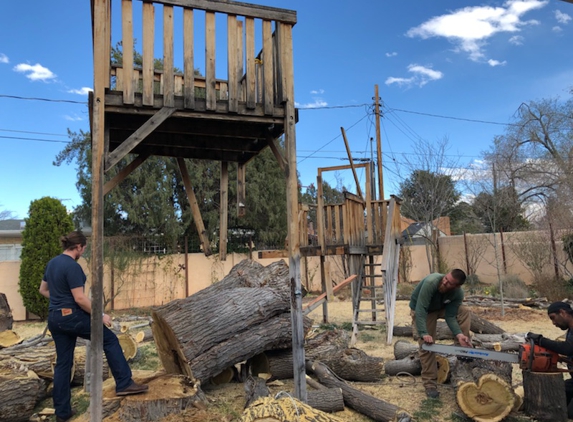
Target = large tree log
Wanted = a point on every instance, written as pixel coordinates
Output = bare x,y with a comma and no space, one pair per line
328,399
471,370
410,364
6,319
19,392
443,332
9,338
255,388
490,400
374,408
544,396
403,348
244,314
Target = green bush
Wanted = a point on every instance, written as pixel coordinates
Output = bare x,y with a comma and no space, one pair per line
552,289
47,221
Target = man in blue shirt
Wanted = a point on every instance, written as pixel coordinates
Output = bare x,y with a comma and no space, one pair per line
438,296
69,318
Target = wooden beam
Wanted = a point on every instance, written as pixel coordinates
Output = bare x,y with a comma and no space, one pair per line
188,59
232,63
310,306
378,144
250,54
358,189
282,253
224,211
268,68
210,91
194,207
126,171
148,43
277,153
344,167
237,8
127,50
241,190
139,135
168,76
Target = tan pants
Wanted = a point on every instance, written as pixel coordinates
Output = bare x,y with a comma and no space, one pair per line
428,359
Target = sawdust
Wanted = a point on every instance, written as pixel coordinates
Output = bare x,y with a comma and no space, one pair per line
226,402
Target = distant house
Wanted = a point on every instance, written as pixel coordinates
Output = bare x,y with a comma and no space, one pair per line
418,233
11,239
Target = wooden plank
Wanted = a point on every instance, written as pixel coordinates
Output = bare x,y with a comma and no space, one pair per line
352,166
328,283
178,86
259,79
127,49
282,62
210,92
268,68
241,190
195,211
329,234
369,219
240,63
320,213
168,74
148,49
138,136
338,233
250,74
126,171
236,8
188,60
324,281
232,63
315,303
223,211
344,167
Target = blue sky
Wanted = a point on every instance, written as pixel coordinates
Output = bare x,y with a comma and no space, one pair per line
470,62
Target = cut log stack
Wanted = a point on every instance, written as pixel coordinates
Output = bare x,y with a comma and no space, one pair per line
243,315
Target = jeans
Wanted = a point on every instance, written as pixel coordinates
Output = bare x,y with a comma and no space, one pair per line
65,330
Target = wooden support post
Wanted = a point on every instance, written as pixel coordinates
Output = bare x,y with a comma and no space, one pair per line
188,59
168,75
232,63
194,207
148,42
126,171
378,142
127,45
323,282
100,13
210,81
358,189
320,213
223,211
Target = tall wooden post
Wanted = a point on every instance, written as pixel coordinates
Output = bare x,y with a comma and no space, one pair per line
100,15
378,142
285,35
223,211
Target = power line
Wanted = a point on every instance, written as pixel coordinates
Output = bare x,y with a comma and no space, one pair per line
49,100
33,133
332,107
34,139
451,117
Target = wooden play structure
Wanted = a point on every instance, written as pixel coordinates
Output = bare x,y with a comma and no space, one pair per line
227,115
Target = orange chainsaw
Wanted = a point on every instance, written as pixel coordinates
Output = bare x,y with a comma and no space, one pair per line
531,357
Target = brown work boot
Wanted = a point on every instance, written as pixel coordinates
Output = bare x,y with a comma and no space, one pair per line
134,388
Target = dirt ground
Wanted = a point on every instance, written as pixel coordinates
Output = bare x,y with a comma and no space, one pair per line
226,402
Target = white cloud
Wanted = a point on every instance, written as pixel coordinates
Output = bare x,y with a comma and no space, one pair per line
516,40
317,91
74,118
318,102
421,76
36,72
469,28
556,29
561,17
494,63
392,54
84,90
4,58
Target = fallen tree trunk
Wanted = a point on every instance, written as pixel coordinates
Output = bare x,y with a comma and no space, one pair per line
374,408
403,348
483,326
243,315
327,400
410,364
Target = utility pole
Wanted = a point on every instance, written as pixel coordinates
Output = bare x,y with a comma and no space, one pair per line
378,142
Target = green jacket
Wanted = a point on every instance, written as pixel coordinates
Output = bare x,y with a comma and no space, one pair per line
426,298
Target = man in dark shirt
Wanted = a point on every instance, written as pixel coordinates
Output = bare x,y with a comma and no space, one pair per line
561,314
438,296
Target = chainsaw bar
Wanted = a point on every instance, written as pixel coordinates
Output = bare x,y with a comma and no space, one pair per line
471,353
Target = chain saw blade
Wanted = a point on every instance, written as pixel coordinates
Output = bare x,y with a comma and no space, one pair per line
471,353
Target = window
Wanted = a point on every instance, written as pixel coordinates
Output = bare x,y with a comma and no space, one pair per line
10,252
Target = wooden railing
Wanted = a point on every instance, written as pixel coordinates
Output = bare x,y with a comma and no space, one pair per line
252,83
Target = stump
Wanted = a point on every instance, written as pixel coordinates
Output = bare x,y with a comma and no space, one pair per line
490,400
6,319
9,338
544,396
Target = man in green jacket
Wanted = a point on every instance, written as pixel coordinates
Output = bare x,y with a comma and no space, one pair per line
438,296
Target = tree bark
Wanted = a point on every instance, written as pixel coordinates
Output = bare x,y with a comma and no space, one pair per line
239,317
403,348
483,326
255,388
327,400
410,364
6,319
544,396
19,392
376,409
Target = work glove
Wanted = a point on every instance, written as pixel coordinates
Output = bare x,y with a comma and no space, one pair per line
535,337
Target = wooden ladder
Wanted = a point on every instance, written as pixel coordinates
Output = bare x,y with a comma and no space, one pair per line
369,290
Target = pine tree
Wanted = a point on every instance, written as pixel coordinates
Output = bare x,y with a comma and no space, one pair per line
47,221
